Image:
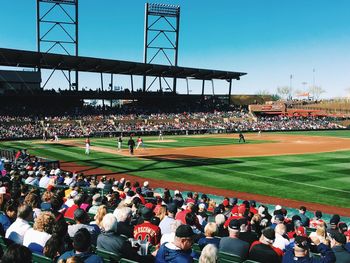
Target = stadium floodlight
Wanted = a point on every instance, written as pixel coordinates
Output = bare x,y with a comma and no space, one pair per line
73,2
163,10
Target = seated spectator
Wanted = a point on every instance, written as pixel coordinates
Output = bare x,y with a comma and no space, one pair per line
305,221
281,240
17,254
321,233
54,247
182,214
123,216
82,248
35,238
263,251
33,200
169,237
96,202
316,220
180,249
46,198
245,233
301,251
209,254
10,214
101,212
168,219
232,244
109,240
219,221
147,231
210,231
70,210
338,240
81,221
18,228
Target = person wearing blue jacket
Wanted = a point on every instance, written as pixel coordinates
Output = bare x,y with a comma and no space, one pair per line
301,254
178,251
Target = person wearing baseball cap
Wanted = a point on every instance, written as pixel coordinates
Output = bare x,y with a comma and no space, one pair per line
147,230
300,252
232,244
178,251
263,250
338,240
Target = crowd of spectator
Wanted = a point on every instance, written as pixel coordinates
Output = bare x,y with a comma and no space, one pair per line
65,215
90,125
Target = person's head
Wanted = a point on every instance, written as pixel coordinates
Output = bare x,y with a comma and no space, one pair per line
302,245
32,200
25,212
82,240
338,239
44,222
318,214
16,253
46,196
53,246
123,214
101,212
11,208
209,254
267,236
210,229
184,237
342,227
97,200
220,219
191,219
56,202
302,209
321,230
233,228
280,229
146,213
172,209
78,199
80,216
109,223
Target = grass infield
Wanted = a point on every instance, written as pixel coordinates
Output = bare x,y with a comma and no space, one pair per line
321,178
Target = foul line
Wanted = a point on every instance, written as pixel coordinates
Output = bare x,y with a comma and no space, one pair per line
277,179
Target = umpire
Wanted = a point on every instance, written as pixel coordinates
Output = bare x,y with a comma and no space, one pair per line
131,144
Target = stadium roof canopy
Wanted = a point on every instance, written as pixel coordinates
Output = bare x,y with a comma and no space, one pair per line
32,59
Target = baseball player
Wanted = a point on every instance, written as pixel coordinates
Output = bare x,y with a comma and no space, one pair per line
87,146
241,137
160,135
139,142
120,140
131,144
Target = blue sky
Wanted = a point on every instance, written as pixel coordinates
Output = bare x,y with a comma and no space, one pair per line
270,40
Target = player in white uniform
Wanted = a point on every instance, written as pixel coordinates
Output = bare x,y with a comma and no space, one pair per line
160,135
87,146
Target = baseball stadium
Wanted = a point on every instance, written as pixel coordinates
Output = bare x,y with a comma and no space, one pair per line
150,166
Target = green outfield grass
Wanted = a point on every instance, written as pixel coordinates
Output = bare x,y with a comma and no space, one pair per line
322,178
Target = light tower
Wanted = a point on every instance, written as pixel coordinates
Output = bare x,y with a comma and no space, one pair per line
57,31
161,21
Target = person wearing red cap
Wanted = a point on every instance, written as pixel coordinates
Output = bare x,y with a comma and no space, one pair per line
241,211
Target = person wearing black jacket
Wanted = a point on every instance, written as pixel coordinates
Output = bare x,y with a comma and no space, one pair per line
131,144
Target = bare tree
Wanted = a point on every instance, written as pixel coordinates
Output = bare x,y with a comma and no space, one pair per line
316,91
285,92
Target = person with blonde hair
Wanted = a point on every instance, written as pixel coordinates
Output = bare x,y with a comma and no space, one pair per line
101,212
321,233
210,231
209,254
36,237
